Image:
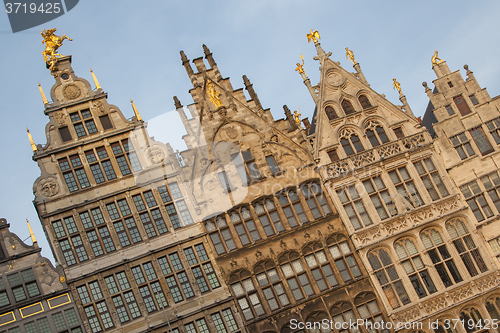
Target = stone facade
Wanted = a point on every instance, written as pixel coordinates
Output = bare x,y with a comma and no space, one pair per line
399,202
34,296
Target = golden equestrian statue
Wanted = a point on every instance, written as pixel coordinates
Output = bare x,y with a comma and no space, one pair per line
350,55
300,68
313,35
397,86
435,59
52,43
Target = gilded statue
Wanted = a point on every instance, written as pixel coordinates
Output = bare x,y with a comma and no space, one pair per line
397,86
300,68
350,55
314,36
435,59
213,94
297,115
52,43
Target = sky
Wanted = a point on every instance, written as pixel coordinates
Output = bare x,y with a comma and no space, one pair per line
133,48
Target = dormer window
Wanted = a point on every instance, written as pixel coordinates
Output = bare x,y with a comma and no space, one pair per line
83,123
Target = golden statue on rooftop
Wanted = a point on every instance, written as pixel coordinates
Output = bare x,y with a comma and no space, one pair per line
397,86
213,94
314,36
350,55
296,116
300,68
52,43
435,59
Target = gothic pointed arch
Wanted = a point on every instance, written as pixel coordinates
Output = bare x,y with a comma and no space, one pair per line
350,139
347,107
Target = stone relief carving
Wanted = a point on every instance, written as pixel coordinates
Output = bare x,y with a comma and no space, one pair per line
98,106
389,150
48,187
71,91
407,316
486,282
435,304
156,154
60,118
460,293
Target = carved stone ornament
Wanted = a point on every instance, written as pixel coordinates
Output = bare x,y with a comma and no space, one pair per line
156,154
71,91
334,78
48,187
231,132
60,118
98,106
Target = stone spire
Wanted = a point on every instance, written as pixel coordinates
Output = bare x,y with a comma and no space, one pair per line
44,99
189,69
182,115
211,62
251,92
137,115
32,142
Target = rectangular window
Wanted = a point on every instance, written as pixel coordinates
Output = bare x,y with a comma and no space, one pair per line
105,122
65,134
449,110
480,139
462,145
250,164
240,167
495,246
473,100
333,155
476,201
73,173
399,132
491,183
354,207
126,157
380,197
407,191
431,179
461,105
272,164
494,128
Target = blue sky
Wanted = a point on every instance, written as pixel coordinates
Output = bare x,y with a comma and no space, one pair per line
133,48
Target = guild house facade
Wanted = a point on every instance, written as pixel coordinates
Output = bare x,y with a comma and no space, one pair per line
261,225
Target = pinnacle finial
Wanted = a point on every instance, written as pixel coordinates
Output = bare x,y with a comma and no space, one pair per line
183,57
177,103
97,86
32,234
137,115
33,146
44,99
246,81
206,50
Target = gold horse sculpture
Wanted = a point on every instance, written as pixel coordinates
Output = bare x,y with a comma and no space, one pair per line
52,43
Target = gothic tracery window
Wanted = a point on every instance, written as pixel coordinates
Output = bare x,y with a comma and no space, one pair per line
472,319
343,256
368,309
220,234
315,199
465,246
295,275
269,217
414,267
342,312
320,267
388,278
350,142
246,295
244,225
271,285
292,207
441,258
375,133
354,207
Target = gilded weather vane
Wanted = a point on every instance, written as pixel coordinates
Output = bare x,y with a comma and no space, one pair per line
397,86
314,36
435,59
52,43
350,55
300,68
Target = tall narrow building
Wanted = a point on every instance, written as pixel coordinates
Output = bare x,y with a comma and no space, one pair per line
281,247
409,224
120,221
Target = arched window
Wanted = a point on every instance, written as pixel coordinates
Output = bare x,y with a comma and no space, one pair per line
244,225
267,212
295,275
221,236
369,311
292,207
354,207
246,295
388,278
472,320
466,247
344,259
493,307
441,258
342,312
414,267
347,106
375,133
271,285
330,113
350,142
315,321
315,199
364,101
320,267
